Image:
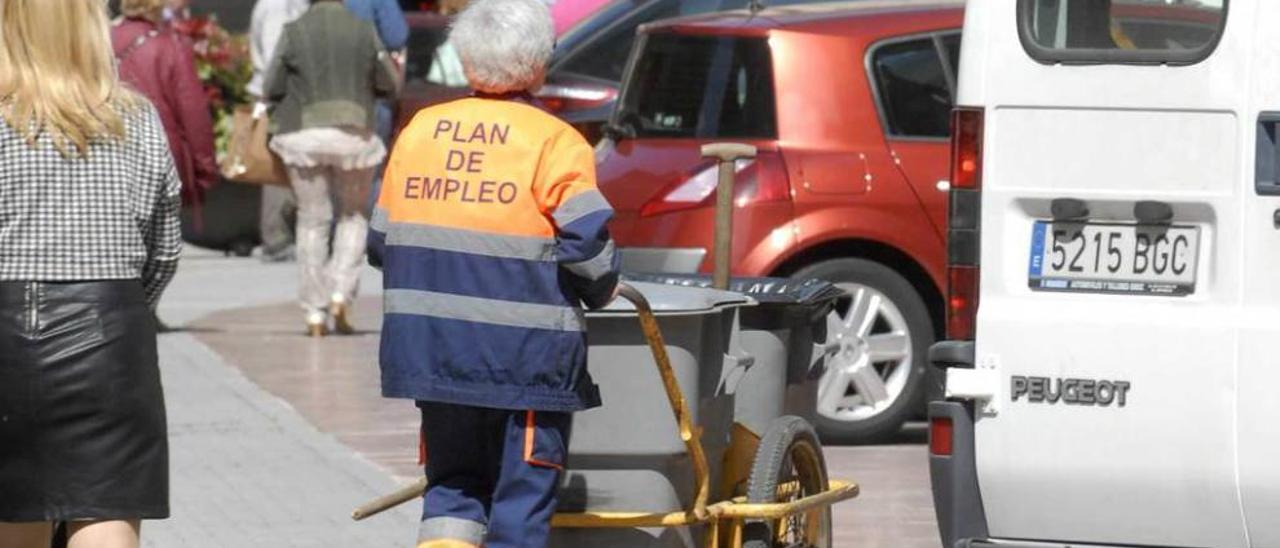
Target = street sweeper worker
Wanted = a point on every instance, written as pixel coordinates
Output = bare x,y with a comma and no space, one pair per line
491,235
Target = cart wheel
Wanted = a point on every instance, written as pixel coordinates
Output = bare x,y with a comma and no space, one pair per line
789,466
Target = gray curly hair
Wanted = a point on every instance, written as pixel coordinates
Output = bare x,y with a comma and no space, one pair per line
504,44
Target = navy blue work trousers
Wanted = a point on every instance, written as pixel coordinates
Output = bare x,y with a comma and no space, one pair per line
492,475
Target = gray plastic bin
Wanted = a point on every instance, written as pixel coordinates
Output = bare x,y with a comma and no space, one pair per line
627,455
785,333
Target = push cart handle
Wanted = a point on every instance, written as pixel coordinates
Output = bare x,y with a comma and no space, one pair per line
387,502
679,407
635,297
727,154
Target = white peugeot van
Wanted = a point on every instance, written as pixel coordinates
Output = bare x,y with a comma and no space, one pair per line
1113,362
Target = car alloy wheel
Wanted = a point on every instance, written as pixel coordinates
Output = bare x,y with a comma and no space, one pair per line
869,356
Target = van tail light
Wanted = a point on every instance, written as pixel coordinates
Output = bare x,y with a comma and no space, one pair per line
941,436
966,148
964,224
962,302
761,180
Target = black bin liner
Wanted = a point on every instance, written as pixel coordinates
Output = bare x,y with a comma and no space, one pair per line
809,298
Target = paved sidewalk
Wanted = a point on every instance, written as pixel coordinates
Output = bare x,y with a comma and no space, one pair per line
333,384
275,437
247,469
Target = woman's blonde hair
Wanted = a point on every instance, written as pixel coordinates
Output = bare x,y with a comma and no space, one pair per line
149,9
58,75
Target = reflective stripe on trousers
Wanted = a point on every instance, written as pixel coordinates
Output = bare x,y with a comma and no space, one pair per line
493,474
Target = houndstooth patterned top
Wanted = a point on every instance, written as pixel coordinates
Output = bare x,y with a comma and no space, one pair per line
111,215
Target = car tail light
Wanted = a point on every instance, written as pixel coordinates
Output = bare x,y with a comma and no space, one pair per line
941,432
559,98
757,181
964,223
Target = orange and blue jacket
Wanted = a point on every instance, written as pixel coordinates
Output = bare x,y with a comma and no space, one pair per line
492,238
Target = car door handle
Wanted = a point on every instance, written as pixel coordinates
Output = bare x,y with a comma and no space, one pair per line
1275,219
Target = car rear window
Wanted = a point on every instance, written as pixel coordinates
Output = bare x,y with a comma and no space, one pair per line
913,86
1121,31
700,86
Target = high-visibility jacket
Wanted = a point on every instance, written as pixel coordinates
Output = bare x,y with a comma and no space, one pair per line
492,237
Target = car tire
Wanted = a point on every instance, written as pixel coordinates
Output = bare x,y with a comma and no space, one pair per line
906,310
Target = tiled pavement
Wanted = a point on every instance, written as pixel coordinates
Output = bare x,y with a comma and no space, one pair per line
247,470
332,382
276,436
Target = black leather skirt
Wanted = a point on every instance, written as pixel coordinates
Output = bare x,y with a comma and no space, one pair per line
82,420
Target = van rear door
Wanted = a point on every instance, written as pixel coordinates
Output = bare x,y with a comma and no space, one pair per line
1116,139
1258,408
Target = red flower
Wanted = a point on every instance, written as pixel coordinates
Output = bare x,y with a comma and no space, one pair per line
196,28
214,93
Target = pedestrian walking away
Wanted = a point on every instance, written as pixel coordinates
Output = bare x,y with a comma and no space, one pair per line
278,211
328,69
160,65
492,239
89,238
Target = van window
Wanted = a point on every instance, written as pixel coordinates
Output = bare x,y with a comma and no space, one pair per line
913,89
1121,31
700,86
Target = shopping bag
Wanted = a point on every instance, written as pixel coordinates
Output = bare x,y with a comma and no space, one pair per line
248,159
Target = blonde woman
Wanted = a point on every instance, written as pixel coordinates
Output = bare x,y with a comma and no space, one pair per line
88,240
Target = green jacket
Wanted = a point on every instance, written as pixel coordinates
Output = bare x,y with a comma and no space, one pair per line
328,69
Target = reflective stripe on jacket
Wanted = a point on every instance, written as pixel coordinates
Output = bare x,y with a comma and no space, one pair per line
491,235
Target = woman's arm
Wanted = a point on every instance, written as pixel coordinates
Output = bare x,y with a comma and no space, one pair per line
191,107
159,203
392,26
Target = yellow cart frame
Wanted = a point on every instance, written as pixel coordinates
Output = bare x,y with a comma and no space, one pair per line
725,518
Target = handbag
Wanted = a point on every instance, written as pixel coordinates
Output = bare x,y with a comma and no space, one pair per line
249,159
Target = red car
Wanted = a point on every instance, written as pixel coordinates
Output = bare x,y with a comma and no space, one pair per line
849,106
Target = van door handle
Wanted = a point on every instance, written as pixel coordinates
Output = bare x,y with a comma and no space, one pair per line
1069,209
1150,212
1275,219
1267,168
